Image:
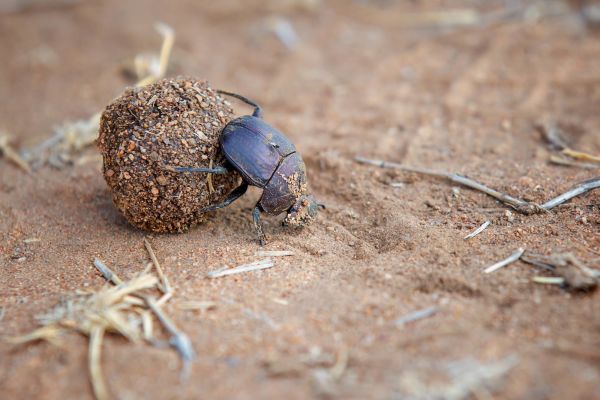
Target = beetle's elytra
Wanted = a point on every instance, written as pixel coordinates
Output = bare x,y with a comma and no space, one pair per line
265,158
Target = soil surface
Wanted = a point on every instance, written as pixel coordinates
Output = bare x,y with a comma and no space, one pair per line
356,81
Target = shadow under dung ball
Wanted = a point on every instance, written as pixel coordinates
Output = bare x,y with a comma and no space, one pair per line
147,130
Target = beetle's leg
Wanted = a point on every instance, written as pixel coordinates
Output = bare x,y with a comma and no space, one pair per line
213,170
262,239
257,110
233,196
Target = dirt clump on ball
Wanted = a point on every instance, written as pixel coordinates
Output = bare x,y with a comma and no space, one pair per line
147,131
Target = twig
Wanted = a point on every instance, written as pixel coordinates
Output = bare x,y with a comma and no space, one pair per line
179,340
576,190
166,286
478,230
274,253
2,312
509,260
416,315
258,265
94,352
107,273
519,205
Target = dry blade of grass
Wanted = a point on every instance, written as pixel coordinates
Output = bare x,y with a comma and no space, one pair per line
554,159
507,261
579,155
478,230
11,154
166,286
168,35
197,305
94,352
274,253
416,315
258,265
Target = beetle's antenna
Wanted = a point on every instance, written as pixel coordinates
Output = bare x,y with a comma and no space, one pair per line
257,110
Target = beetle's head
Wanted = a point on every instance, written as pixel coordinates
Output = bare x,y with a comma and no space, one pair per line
303,212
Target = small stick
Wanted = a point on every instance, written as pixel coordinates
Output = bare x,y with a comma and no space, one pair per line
416,315
258,265
94,351
2,312
509,260
478,230
166,287
576,190
518,204
179,340
274,253
107,273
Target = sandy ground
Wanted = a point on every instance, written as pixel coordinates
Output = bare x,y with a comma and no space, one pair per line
356,82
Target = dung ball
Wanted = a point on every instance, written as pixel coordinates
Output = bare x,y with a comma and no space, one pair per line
149,130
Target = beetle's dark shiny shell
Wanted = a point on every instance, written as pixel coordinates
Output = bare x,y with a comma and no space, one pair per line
286,185
254,148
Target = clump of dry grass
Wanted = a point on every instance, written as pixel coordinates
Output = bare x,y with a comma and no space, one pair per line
125,308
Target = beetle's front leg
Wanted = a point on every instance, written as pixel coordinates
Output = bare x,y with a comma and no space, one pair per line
262,239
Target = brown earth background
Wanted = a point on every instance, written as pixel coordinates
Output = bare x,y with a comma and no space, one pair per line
360,80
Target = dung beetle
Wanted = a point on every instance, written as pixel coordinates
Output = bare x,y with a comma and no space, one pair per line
265,158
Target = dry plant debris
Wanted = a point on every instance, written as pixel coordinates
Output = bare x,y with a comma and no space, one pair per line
554,136
416,315
274,253
522,206
123,308
255,266
507,261
478,230
11,154
573,273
